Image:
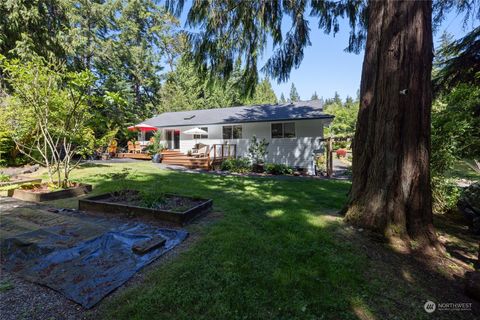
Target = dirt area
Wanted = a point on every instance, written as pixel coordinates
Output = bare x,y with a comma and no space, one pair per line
21,299
162,202
439,275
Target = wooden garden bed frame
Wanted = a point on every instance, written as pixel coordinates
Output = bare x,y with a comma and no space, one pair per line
99,204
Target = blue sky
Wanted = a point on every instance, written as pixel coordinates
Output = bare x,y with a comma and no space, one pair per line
327,68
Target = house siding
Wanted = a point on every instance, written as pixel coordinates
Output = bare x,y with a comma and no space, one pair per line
296,151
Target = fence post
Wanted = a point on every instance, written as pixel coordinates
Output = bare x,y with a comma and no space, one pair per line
329,157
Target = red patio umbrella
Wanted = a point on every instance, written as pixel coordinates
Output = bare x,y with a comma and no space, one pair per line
142,127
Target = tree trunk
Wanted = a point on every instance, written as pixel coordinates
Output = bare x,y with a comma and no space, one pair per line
391,151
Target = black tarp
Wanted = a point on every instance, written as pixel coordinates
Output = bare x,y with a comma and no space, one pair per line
83,257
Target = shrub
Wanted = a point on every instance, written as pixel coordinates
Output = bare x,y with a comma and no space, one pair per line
156,146
257,150
4,177
341,153
278,169
445,194
240,165
321,162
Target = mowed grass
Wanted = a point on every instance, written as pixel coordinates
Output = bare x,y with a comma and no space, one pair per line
274,253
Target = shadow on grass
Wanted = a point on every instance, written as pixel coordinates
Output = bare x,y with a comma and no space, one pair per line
87,165
279,252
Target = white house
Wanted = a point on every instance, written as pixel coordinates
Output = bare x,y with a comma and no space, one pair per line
293,130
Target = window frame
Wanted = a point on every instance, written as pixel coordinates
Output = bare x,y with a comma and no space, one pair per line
282,135
232,132
201,136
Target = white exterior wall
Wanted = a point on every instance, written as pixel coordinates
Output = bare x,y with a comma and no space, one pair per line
293,152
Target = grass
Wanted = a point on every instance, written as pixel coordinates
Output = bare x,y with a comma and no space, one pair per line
276,253
463,170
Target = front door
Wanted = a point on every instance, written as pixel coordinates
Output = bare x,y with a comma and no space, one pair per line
173,139
176,139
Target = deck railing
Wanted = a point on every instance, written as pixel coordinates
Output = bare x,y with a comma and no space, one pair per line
221,151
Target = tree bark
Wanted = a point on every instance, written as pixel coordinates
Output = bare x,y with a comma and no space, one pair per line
391,190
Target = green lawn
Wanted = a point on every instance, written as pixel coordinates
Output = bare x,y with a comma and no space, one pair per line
463,170
276,253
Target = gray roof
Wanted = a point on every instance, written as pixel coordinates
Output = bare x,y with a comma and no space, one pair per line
278,112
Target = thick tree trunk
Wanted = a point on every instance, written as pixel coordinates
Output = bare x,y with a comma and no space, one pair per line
391,181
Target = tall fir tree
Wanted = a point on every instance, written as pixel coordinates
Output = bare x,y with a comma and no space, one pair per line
282,99
314,96
294,96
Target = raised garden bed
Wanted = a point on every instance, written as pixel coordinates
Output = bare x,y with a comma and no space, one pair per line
8,187
42,192
20,181
131,203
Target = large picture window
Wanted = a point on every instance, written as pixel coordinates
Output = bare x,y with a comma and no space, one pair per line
201,136
232,132
283,130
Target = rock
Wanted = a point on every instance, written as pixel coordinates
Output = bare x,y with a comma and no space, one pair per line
469,205
472,284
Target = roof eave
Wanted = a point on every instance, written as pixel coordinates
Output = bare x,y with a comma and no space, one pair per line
250,121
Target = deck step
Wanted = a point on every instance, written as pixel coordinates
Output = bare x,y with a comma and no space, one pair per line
143,156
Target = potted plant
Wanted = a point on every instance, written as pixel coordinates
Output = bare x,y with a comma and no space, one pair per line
155,147
257,152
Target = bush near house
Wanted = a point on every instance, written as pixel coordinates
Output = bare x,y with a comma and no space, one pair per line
240,165
278,169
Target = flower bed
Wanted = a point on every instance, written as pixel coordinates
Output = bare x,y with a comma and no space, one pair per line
46,192
131,203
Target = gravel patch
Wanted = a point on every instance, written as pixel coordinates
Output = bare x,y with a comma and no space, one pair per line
21,299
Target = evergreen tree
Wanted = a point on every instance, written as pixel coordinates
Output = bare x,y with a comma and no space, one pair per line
336,98
457,61
348,100
32,27
294,96
282,99
314,96
264,94
187,89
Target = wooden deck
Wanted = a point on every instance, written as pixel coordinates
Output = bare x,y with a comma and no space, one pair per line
178,158
140,156
217,154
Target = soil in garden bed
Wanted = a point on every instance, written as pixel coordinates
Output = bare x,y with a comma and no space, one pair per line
161,202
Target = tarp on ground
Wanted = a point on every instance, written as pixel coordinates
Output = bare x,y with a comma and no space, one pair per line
83,257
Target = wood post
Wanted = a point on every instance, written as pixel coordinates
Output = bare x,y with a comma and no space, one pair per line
329,157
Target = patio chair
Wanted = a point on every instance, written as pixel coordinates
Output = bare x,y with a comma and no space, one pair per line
130,147
138,147
200,150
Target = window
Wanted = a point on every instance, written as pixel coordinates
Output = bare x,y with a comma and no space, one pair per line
201,136
232,132
283,130
149,134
